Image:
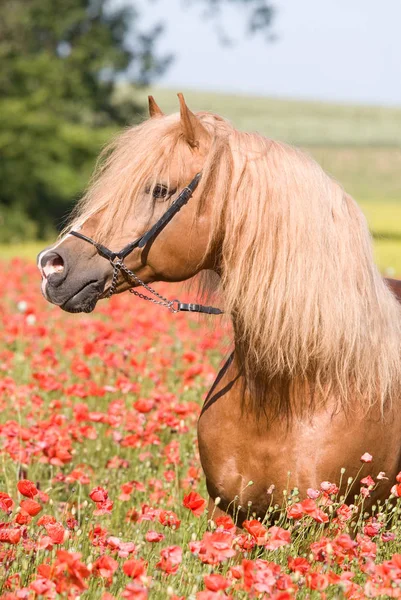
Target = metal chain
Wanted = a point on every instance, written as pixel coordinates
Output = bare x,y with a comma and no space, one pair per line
113,281
120,266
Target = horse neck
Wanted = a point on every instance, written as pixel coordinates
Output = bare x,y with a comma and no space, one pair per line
274,396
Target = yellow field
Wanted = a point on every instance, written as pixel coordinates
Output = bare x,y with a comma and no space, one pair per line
384,219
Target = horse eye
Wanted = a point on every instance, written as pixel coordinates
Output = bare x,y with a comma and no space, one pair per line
160,191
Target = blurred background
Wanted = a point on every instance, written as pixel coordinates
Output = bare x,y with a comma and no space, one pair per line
322,75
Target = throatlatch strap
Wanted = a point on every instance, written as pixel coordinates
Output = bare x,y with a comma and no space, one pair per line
209,310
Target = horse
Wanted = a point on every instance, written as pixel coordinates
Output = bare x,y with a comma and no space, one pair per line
314,380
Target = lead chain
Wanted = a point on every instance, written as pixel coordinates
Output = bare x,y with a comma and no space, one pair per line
119,265
113,281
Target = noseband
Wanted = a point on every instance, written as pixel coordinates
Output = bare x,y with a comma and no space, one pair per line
116,259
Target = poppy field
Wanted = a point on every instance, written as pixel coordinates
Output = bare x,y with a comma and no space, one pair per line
101,490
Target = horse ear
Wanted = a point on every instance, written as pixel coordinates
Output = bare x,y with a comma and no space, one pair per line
192,128
154,110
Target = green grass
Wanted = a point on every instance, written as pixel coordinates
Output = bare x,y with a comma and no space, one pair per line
369,174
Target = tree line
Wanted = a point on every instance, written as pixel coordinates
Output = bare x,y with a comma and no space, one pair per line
61,61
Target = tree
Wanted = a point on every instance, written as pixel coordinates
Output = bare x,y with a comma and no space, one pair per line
260,12
61,62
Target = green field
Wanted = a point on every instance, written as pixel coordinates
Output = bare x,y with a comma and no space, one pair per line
298,122
359,146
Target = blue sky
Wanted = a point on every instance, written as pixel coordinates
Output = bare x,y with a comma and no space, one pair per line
339,50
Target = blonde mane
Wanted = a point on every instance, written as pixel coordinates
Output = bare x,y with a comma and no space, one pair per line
297,273
133,159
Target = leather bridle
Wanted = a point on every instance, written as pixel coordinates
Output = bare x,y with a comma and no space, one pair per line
117,258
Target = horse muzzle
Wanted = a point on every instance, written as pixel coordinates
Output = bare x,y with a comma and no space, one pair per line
66,284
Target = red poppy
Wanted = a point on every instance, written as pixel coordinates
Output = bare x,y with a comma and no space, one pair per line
170,559
168,518
103,508
345,512
43,587
309,507
368,480
154,536
195,503
317,581
31,507
260,576
215,547
396,490
22,518
329,488
216,582
372,528
237,572
98,494
76,570
144,405
278,537
298,564
257,531
6,502
10,536
27,488
295,511
105,566
56,532
135,568
46,519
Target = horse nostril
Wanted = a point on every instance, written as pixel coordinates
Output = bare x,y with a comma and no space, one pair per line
52,264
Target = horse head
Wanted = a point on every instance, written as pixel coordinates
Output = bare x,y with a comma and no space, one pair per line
141,174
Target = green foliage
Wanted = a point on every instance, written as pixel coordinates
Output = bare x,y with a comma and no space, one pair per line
260,15
60,63
15,225
46,162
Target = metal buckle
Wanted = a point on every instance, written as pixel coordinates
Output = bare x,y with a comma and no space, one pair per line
174,306
116,261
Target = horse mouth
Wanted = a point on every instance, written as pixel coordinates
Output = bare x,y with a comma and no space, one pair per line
106,292
85,299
